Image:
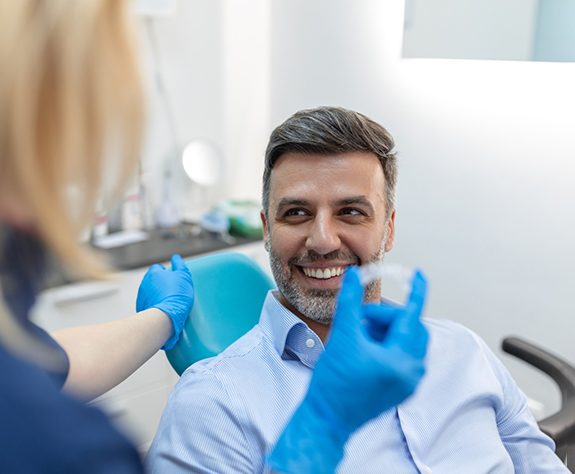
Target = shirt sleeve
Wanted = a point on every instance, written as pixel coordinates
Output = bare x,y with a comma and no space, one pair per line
201,430
529,448
58,374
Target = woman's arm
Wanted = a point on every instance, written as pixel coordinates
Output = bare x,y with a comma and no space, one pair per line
103,355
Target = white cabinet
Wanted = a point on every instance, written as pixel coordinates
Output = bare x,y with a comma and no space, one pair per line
137,403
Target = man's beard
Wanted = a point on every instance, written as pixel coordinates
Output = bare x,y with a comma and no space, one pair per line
315,303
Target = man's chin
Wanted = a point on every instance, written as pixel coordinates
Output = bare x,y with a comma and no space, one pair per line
321,310
313,315
323,321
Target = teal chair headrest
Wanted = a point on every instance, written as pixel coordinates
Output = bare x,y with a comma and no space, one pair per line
230,289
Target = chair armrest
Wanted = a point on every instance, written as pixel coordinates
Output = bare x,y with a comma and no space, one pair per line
561,425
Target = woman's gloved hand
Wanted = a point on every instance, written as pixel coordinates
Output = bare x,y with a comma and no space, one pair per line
170,291
373,360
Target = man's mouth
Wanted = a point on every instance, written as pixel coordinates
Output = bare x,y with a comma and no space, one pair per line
323,273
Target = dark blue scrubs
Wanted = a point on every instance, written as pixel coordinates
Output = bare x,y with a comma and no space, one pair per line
43,430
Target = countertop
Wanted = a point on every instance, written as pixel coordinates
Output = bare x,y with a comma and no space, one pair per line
159,247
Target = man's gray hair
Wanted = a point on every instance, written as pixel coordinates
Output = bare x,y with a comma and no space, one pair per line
332,130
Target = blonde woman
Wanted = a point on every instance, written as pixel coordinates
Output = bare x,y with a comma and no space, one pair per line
70,108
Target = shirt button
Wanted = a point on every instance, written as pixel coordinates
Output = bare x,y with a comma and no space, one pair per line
310,343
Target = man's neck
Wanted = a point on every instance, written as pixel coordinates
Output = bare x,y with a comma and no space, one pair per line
322,330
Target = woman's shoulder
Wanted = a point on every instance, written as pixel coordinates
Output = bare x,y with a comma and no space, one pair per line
45,430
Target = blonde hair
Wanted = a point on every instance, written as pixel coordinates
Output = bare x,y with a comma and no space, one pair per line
70,94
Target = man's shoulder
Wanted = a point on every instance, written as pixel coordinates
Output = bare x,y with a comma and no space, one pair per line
221,387
212,417
448,328
449,336
242,355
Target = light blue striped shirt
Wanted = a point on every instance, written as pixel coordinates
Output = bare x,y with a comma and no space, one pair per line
467,415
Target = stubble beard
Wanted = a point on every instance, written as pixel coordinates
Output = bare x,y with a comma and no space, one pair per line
315,303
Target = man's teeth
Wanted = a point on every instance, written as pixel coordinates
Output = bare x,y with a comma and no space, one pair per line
323,273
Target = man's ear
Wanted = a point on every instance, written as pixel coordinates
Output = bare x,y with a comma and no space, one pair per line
390,224
265,229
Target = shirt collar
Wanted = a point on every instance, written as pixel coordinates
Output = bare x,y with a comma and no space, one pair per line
291,337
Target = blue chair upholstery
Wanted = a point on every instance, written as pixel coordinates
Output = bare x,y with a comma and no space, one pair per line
230,289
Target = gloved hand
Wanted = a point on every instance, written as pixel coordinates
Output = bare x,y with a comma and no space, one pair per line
373,361
170,291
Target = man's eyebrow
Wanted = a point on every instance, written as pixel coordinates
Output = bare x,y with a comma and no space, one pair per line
362,200
347,201
287,201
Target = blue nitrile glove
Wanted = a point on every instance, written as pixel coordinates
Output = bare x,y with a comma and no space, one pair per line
373,361
170,291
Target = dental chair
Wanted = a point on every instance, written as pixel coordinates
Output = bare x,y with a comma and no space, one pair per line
561,425
230,290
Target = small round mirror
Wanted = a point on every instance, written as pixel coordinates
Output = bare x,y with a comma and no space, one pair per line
202,162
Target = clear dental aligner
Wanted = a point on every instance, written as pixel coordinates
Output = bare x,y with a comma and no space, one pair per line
378,270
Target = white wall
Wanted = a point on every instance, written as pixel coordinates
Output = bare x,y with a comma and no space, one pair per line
486,195
190,46
494,29
215,62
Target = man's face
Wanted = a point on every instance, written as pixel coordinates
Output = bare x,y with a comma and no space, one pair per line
326,212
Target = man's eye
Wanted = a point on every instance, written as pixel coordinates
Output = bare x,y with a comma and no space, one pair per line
350,211
295,212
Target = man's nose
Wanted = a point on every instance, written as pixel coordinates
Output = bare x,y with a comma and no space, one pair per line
323,236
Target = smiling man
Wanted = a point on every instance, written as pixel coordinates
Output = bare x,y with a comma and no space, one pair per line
315,228
328,203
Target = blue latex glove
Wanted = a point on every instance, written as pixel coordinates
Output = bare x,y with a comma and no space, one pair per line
373,360
170,291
